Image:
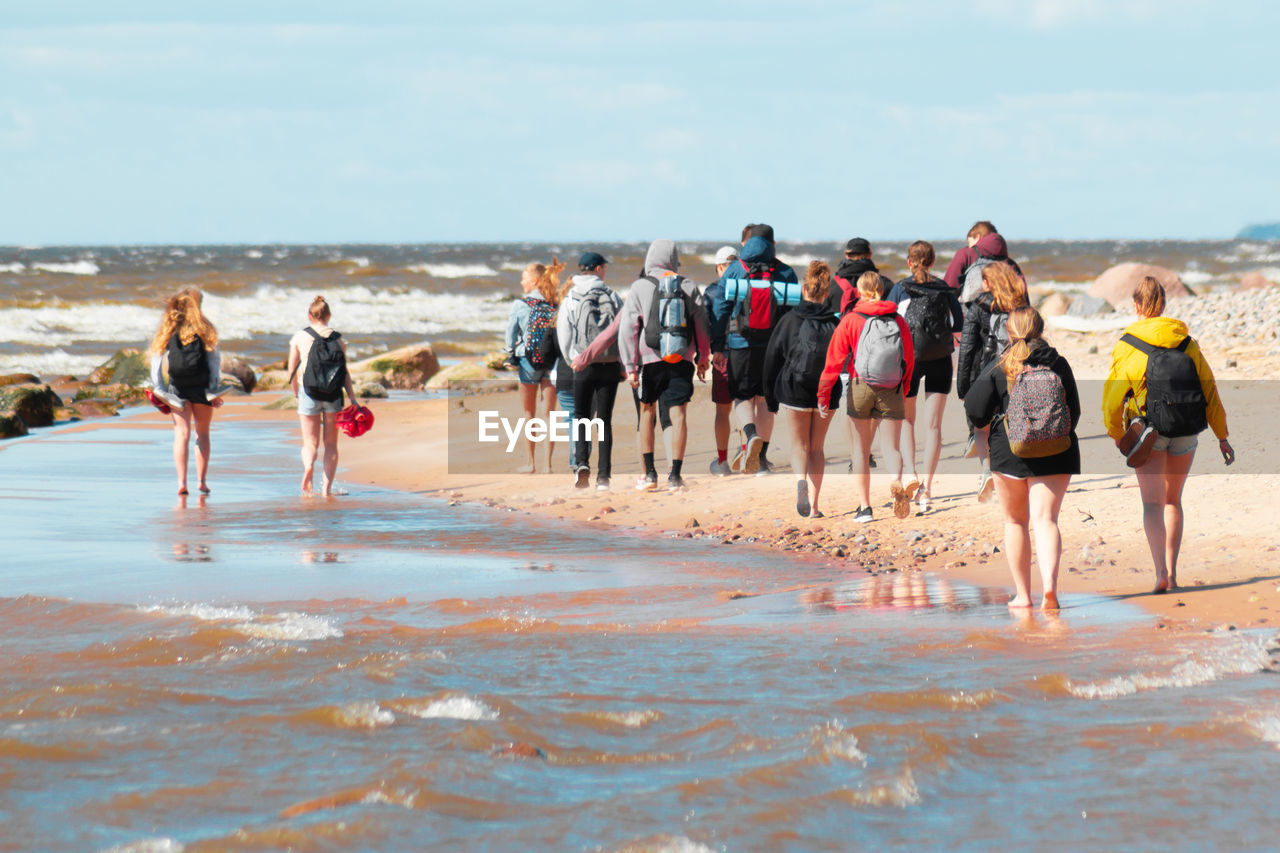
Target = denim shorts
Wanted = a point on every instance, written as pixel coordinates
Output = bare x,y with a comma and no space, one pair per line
529,375
1179,446
308,406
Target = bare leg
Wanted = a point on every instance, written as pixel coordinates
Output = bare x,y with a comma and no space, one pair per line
528,403
1160,482
817,462
798,423
648,414
722,426
1045,501
1176,470
862,429
934,405
679,433
181,440
310,425
908,441
330,451
1013,496
890,430
764,419
202,417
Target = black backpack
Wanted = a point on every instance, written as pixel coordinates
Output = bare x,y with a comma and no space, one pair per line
326,373
997,340
928,315
807,354
1175,401
188,366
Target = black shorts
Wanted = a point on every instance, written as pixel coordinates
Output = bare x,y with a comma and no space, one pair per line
936,375
746,373
670,384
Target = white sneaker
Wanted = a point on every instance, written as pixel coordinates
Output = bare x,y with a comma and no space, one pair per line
986,485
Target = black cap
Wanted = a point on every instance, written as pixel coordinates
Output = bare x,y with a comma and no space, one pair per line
858,246
591,260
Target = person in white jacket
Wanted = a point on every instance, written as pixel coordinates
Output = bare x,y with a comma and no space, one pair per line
663,338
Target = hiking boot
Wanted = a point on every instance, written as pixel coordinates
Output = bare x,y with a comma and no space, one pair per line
602,484
766,467
986,485
863,515
648,483
751,458
675,483
720,469
583,477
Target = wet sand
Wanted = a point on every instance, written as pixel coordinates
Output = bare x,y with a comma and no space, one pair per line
1229,573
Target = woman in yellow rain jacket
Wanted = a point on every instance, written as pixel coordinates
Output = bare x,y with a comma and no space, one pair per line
1124,396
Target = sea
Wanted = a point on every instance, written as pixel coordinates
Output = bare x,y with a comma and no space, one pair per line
390,671
65,310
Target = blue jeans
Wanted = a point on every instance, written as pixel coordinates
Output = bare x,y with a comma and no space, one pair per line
564,400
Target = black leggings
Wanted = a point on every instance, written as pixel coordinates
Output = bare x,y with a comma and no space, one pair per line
595,389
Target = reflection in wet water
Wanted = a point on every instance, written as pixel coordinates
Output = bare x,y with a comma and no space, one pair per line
320,557
901,590
185,552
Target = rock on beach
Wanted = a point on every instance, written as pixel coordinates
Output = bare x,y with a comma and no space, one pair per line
405,368
1117,284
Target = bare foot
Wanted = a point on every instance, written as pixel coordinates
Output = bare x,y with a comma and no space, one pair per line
1020,601
525,469
307,479
1162,584
204,488
1173,581
182,490
1050,601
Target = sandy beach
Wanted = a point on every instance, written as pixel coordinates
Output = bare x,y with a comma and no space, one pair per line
1230,565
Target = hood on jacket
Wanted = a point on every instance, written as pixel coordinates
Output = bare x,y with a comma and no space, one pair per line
1041,353
663,256
755,250
850,269
992,246
1159,331
875,308
812,309
584,282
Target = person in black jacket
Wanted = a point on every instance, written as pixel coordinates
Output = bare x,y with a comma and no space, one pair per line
934,338
844,284
981,342
793,366
1030,490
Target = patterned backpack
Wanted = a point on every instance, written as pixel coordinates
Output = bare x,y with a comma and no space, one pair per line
1037,420
542,316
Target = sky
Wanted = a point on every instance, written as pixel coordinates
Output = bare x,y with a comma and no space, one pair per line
310,121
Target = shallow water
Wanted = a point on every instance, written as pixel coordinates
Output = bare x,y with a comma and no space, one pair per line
382,671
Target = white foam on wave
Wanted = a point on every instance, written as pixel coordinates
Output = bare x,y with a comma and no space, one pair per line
1266,727
836,742
253,253
287,625
15,267
290,626
1239,656
359,261
799,262
632,719
364,715
148,845
47,363
1194,277
70,268
450,708
513,266
453,270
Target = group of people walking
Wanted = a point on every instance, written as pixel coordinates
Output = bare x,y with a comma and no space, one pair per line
773,343
186,370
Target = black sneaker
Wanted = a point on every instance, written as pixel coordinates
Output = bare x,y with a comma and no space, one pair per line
675,483
765,469
583,477
863,515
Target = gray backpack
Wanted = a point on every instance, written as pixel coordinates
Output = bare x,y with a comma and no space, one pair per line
971,286
880,360
595,311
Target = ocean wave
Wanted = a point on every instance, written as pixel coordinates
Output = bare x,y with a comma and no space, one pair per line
450,708
453,270
289,626
1241,656
15,267
49,363
148,845
253,253
70,268
800,262
203,612
1194,277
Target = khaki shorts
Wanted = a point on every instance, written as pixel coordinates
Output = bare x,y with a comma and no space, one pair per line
878,403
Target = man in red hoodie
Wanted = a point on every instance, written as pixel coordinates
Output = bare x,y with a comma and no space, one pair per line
873,345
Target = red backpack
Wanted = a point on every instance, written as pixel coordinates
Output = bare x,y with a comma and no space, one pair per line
757,313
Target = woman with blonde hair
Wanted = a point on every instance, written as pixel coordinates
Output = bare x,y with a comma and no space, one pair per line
186,343
1029,383
873,345
531,319
318,373
793,365
982,341
1131,391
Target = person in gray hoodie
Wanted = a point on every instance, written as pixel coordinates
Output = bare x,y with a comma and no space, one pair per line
663,337
589,308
